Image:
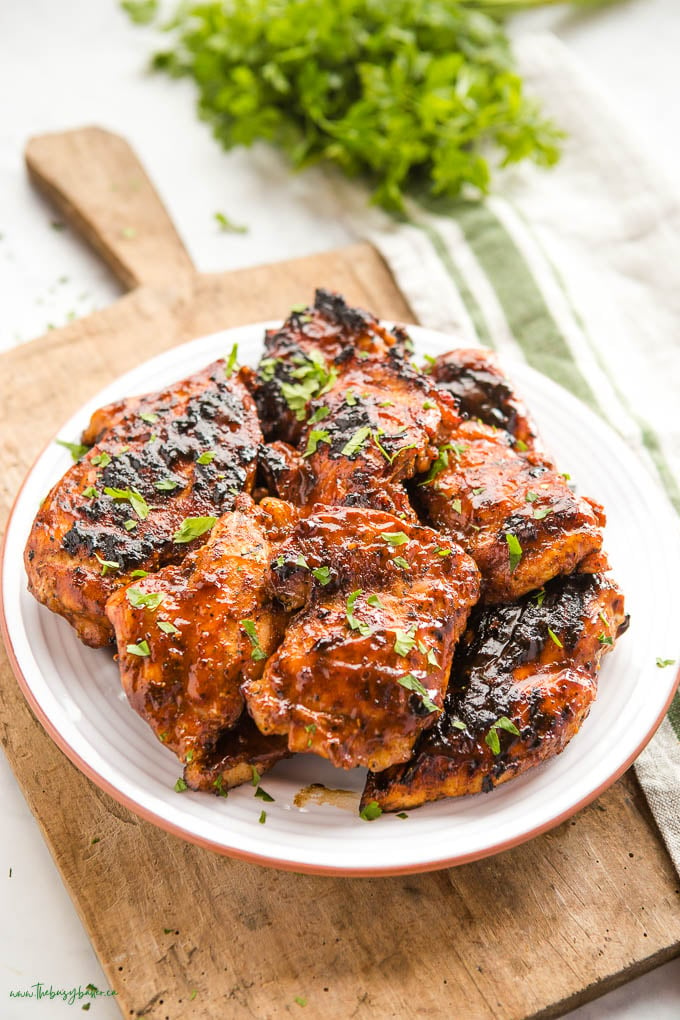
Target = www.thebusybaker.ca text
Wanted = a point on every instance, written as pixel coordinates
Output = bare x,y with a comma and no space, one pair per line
68,995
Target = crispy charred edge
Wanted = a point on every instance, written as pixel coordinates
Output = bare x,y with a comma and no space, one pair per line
345,326
475,379
234,756
447,761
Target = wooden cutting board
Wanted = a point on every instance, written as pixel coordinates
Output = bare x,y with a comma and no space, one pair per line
532,932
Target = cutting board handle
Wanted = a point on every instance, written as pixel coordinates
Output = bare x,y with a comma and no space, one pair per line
99,186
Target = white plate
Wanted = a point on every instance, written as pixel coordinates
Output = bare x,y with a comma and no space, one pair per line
75,691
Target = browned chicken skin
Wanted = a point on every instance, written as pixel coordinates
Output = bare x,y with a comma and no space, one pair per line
189,635
364,663
487,497
517,693
158,459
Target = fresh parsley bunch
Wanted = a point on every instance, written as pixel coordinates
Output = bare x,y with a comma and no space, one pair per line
412,94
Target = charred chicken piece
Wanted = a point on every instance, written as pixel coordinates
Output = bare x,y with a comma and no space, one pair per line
483,392
517,518
376,427
236,754
309,353
190,635
523,680
363,667
156,461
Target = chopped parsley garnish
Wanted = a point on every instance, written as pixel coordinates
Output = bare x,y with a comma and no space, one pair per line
458,724
390,457
442,460
401,562
139,573
514,551
412,683
267,369
554,638
478,492
280,560
394,538
539,596
230,361
300,1000
432,657
322,575
531,497
492,739
129,525
314,378
180,785
541,512
222,790
207,457
401,814
107,565
350,399
263,795
101,459
166,485
521,445
311,729
144,599
193,527
441,551
316,436
356,442
301,562
136,501
77,450
404,641
228,226
167,628
319,414
605,639
90,492
371,811
149,417
428,405
662,663
374,600
386,403
255,781
363,628
141,649
257,654
457,506
263,817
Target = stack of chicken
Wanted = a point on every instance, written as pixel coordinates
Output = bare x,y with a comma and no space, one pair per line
338,554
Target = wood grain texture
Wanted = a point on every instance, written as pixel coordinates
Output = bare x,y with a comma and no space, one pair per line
529,933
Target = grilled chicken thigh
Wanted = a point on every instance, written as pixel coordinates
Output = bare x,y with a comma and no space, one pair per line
156,461
523,680
309,353
517,518
364,663
190,635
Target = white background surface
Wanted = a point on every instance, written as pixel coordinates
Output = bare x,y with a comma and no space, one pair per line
73,62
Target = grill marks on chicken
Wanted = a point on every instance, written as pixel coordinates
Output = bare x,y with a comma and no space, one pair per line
364,663
191,634
516,517
156,460
523,680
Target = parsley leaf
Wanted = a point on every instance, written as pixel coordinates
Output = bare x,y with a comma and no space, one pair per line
77,450
412,683
263,795
514,550
395,538
662,663
167,628
193,527
207,457
144,599
136,501
166,485
141,649
399,561
355,624
107,565
230,361
149,417
229,227
554,638
180,786
257,653
404,641
322,575
319,414
354,444
371,811
316,436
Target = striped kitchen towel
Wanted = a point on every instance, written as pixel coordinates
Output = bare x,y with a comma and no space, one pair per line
575,271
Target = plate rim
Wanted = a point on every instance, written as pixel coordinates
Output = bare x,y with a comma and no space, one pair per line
278,863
